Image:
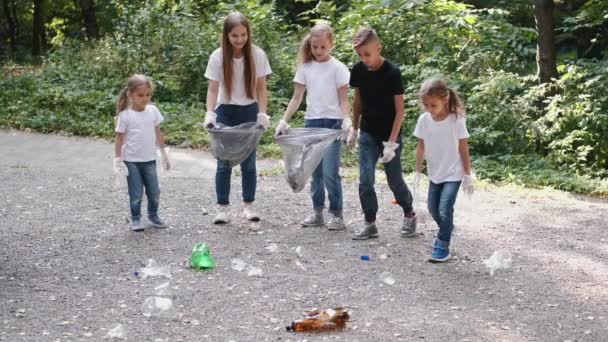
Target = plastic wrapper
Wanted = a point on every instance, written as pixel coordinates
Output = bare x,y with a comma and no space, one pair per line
233,144
303,149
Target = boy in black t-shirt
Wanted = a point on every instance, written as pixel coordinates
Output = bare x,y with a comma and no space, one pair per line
378,103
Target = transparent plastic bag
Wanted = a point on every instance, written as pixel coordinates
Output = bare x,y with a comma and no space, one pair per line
303,149
233,144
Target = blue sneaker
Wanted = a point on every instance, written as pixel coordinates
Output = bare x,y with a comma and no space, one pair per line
156,222
441,252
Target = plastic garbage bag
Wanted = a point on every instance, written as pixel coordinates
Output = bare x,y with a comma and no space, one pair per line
499,259
234,144
303,149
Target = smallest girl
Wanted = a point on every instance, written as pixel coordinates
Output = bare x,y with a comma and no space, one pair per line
137,135
443,142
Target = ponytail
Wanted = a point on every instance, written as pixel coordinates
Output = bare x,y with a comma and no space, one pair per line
305,51
123,101
455,104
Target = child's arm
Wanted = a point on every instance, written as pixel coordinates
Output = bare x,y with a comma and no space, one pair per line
212,91
399,115
463,148
344,104
120,140
160,141
419,155
262,93
296,100
356,109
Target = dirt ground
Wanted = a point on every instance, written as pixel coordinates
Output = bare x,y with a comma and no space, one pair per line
70,268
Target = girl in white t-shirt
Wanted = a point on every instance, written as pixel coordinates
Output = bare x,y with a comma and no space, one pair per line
236,94
443,141
137,136
325,81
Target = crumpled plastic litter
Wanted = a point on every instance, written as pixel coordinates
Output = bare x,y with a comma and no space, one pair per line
303,149
233,144
152,269
156,306
116,332
500,259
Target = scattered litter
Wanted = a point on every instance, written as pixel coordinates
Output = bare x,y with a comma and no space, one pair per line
273,248
382,252
201,257
116,332
326,320
238,265
204,211
365,257
299,264
253,271
154,270
300,252
162,289
499,259
387,278
156,306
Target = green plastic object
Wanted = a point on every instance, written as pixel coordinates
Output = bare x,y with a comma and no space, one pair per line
201,257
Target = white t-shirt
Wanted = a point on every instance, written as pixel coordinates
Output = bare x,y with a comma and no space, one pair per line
322,81
441,139
215,72
140,133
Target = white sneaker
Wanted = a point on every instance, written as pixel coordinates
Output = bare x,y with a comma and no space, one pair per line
250,214
335,223
222,216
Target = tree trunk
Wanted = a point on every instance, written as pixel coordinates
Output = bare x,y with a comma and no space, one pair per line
545,47
12,25
38,32
89,18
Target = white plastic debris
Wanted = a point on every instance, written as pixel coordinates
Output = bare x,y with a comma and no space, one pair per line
382,253
300,252
156,306
152,269
238,265
299,264
272,248
162,289
387,278
253,271
499,259
116,332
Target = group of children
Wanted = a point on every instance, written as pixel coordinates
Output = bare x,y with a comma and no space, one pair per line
237,93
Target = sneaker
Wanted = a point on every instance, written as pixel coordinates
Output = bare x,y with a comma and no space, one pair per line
156,222
222,216
441,252
136,225
314,220
336,223
408,227
368,231
250,215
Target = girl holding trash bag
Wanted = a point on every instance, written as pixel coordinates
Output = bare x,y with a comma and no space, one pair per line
325,80
237,94
137,135
443,141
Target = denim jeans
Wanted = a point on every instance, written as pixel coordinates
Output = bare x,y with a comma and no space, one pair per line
370,150
143,175
232,115
441,201
327,174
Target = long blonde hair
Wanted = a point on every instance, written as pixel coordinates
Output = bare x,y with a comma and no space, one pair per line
437,87
231,21
305,51
134,81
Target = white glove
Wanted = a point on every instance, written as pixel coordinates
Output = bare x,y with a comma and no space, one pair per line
263,120
164,157
468,183
416,185
210,120
282,128
347,127
119,167
389,151
352,138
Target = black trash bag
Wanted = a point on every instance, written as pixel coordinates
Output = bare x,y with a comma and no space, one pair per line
233,144
303,149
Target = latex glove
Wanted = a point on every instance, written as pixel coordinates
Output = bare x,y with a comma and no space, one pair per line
164,157
282,128
210,120
347,127
352,138
416,185
389,151
468,183
263,120
117,166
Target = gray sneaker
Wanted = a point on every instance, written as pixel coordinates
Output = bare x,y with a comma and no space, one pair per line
368,231
408,227
314,220
335,223
136,225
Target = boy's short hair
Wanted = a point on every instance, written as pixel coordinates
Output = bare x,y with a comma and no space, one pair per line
365,35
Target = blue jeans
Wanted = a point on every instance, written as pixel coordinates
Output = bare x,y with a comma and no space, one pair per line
143,175
370,150
232,115
441,201
327,174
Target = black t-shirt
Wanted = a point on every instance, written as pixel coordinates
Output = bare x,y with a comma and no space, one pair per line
378,89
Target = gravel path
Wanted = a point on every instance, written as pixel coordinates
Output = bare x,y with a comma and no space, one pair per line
68,261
